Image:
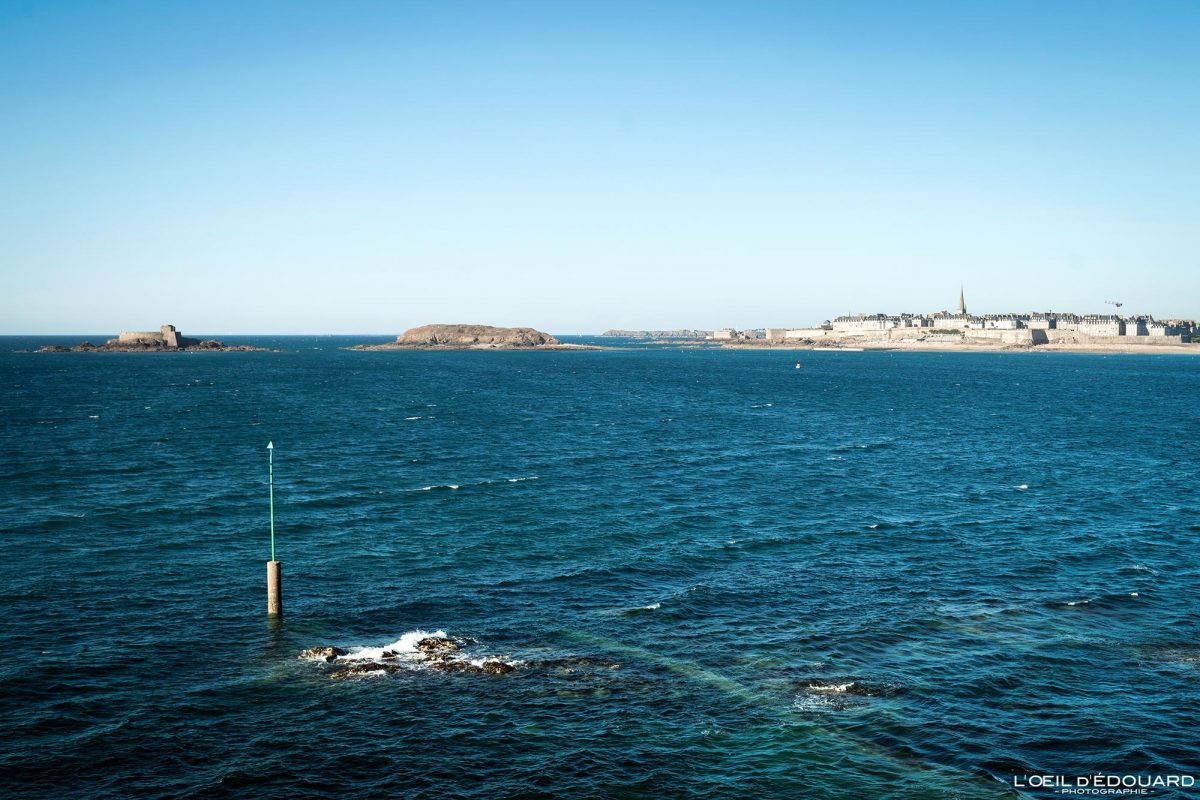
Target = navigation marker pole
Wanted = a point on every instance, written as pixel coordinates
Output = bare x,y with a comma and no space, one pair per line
274,569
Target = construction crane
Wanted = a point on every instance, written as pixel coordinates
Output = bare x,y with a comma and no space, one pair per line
1114,303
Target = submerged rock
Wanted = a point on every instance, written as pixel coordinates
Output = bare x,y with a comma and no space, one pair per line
574,663
491,666
829,695
497,667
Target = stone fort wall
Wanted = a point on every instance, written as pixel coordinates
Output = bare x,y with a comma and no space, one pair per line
166,334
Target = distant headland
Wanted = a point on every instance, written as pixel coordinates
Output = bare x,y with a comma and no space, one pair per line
680,333
167,339
472,337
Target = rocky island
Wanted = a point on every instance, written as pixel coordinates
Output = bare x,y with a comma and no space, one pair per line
165,340
472,337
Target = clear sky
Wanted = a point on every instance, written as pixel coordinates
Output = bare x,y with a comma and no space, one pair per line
354,167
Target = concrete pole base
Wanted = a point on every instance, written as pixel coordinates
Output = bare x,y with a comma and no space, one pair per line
274,588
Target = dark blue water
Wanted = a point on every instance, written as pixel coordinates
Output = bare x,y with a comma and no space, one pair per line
881,575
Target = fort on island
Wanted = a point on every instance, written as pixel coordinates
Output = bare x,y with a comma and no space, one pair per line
166,336
167,339
962,327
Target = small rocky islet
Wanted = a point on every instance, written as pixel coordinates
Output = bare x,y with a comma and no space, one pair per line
473,337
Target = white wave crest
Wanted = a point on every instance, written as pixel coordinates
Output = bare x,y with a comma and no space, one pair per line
405,645
834,687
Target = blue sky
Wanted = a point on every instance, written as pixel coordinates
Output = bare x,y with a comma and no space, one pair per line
366,167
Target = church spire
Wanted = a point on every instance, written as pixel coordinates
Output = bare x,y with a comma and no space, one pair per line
962,304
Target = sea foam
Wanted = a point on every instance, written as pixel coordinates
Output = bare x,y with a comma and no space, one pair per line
405,645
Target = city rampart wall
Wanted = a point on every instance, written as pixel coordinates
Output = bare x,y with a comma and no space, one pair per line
817,333
1075,337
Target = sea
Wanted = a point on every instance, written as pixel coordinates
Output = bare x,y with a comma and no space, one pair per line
707,573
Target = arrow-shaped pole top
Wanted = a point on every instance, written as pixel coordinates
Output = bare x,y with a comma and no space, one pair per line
270,445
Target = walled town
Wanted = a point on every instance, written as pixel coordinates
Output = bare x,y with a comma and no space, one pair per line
962,327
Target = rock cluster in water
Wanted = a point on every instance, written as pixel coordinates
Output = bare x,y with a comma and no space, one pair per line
434,652
467,337
446,655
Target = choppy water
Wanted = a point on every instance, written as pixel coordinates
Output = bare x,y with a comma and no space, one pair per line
881,575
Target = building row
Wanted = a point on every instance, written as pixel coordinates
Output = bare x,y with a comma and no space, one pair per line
1036,327
1086,324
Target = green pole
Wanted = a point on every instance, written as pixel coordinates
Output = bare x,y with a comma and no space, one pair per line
271,484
